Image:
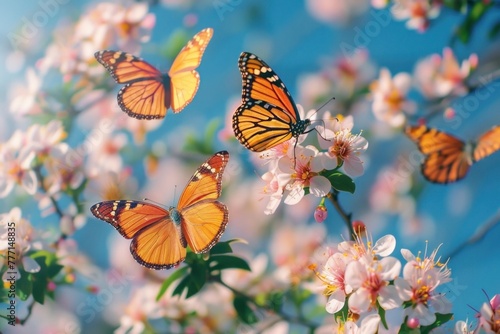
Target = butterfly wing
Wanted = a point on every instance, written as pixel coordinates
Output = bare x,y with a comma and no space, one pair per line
203,224
156,242
487,144
159,246
143,95
204,219
183,76
143,99
268,115
446,160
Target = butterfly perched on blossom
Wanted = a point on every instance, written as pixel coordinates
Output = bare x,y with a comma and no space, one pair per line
148,93
267,115
448,159
160,236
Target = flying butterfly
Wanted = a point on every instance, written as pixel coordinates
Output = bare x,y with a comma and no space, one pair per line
267,115
160,236
148,93
448,159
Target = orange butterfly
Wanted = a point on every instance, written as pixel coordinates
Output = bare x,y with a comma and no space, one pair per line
148,93
160,236
268,115
448,159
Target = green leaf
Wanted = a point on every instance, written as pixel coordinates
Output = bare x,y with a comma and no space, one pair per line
39,286
172,278
340,181
440,320
276,301
458,5
221,262
381,313
464,31
244,311
299,296
494,31
24,286
194,281
222,247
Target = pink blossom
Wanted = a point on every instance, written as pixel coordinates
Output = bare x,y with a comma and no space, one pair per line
338,12
292,248
65,169
16,159
370,282
463,327
341,78
389,98
108,23
438,76
489,319
304,172
104,153
333,278
24,97
274,189
70,256
421,278
26,239
342,146
379,4
44,139
417,12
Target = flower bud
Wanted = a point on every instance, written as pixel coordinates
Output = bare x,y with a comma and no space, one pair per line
320,213
359,227
413,323
51,286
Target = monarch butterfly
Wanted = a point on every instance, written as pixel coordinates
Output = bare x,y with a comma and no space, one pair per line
448,159
148,93
160,236
268,115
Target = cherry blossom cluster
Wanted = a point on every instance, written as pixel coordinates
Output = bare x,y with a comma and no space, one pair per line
294,170
362,281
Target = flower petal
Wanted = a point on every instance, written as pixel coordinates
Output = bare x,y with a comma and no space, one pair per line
30,265
385,245
320,186
336,302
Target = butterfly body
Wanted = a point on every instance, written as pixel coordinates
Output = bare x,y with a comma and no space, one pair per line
268,116
447,158
160,236
149,93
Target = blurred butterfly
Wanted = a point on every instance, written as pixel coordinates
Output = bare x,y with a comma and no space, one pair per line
448,158
268,115
160,236
148,93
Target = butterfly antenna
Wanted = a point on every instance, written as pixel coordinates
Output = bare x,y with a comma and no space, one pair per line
175,194
324,104
155,202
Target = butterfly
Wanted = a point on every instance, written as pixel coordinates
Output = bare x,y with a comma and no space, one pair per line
448,159
160,236
267,115
148,93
